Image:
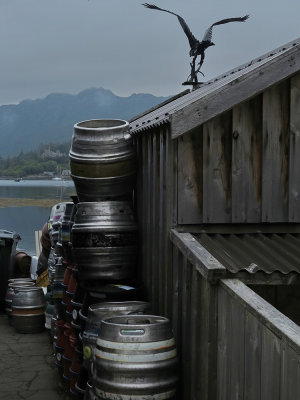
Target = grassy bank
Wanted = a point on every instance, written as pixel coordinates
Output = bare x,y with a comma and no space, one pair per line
11,202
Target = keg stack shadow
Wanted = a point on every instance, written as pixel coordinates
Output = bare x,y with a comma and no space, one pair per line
92,268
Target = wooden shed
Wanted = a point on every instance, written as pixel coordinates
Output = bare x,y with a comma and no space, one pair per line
218,204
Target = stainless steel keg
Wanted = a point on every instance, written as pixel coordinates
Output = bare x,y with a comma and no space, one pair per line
28,308
104,237
96,313
135,359
102,159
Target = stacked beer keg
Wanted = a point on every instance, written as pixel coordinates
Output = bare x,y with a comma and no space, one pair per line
60,267
103,281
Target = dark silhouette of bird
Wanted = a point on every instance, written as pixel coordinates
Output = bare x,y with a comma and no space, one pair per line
197,48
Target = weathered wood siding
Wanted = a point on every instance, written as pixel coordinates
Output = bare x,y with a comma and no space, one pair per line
242,166
155,196
258,347
173,284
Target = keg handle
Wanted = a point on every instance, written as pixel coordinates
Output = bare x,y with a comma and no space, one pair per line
132,332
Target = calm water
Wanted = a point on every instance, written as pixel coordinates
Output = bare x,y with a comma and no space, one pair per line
26,220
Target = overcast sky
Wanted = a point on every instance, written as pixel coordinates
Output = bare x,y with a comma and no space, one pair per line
70,45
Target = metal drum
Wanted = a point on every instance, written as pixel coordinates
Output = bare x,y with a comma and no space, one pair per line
99,311
104,237
28,308
135,359
102,159
12,285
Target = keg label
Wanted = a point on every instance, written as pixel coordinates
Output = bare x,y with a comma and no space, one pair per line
58,356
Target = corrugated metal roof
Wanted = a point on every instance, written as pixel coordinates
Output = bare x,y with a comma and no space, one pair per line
268,253
162,114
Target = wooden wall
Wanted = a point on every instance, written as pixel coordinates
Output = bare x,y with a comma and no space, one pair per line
156,196
258,347
243,165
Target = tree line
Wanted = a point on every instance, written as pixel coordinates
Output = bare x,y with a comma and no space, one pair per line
36,162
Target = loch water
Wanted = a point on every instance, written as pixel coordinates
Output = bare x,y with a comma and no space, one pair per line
25,220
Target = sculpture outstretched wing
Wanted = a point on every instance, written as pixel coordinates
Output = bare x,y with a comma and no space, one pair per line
208,34
191,38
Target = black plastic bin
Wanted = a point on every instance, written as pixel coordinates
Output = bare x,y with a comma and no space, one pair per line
8,244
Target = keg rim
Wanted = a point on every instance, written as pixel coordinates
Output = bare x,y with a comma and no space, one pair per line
122,305
118,123
155,320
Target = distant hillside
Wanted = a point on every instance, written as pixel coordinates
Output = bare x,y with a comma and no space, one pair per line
24,126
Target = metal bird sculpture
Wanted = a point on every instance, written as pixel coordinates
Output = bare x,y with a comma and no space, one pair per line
197,48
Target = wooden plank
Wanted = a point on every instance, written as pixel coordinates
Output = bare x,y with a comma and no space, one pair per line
290,373
217,149
190,178
231,347
208,341
154,224
205,263
195,328
252,385
138,200
235,92
237,351
176,293
148,210
185,321
275,166
246,161
270,365
224,344
163,283
294,151
170,199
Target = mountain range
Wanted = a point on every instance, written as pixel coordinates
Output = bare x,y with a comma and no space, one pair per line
25,125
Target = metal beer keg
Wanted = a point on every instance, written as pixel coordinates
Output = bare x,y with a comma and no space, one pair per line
102,159
135,359
28,308
104,237
96,313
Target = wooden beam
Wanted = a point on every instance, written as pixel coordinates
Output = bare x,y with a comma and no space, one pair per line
208,266
235,92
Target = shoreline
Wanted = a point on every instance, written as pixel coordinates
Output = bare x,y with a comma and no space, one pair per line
17,202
